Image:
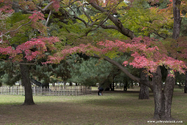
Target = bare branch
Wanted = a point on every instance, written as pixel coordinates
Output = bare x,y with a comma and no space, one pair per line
47,6
76,17
18,27
81,20
48,18
159,34
102,22
86,13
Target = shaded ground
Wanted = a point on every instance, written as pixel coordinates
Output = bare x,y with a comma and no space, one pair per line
116,108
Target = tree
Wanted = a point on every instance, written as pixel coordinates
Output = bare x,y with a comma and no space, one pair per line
26,50
163,99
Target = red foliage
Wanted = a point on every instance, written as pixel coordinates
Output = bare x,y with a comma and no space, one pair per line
56,4
36,16
6,7
144,55
40,45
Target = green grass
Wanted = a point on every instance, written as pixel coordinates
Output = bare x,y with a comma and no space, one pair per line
111,109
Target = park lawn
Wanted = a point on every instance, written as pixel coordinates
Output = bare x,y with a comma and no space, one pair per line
114,108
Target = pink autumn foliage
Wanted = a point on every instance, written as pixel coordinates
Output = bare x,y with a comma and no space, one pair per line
56,4
88,49
36,16
39,44
144,54
6,9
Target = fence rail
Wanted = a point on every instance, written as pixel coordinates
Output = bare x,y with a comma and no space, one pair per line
51,91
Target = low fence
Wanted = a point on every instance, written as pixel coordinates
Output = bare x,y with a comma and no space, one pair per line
51,91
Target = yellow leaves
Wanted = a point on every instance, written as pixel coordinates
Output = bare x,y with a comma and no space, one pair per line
153,10
112,54
121,5
82,17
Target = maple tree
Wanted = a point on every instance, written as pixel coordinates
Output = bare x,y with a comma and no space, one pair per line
149,63
28,51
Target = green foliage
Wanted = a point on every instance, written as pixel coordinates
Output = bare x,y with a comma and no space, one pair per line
50,73
145,21
22,34
183,26
9,73
90,72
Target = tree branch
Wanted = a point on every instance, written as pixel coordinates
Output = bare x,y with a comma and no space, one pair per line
110,27
81,20
116,21
48,18
86,13
120,67
76,17
47,6
18,27
102,22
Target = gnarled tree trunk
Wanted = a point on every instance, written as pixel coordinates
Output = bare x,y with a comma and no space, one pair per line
27,84
168,95
163,95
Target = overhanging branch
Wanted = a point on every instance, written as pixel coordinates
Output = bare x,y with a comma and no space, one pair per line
120,67
116,21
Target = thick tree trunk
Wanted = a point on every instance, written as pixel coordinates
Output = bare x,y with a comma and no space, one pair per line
177,18
27,84
168,94
144,90
158,94
185,84
163,98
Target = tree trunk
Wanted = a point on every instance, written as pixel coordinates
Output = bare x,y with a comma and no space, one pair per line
70,83
144,90
64,84
168,94
27,84
158,94
125,85
163,98
112,86
177,18
185,85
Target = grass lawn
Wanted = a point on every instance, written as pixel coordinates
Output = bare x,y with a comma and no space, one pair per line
114,108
